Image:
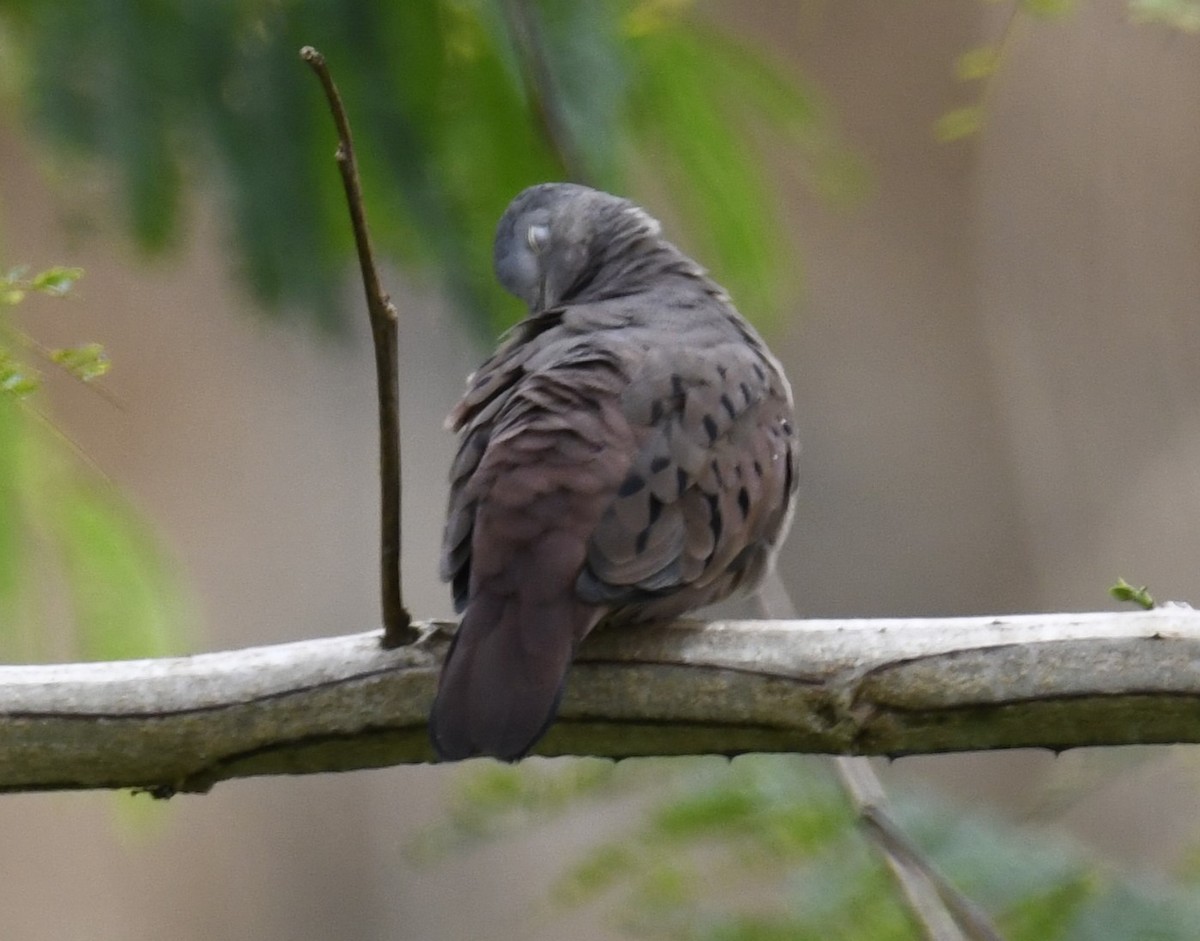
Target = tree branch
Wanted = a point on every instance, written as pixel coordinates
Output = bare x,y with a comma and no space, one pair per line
882,687
541,87
397,622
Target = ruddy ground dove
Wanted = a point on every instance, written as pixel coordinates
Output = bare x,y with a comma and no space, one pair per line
628,453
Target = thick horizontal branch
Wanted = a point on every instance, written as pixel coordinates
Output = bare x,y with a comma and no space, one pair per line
851,687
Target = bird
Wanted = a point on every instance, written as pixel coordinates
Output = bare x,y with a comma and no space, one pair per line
627,454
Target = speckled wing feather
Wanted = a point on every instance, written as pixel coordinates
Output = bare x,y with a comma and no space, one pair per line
708,494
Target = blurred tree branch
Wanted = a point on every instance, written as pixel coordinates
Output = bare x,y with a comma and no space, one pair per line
875,687
460,107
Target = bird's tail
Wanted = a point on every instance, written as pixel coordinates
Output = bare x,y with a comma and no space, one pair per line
504,675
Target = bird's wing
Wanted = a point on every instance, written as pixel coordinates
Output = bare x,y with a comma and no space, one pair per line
708,493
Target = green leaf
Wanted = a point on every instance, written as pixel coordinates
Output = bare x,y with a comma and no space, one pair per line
667,882
959,123
56,281
1183,15
1048,9
1123,591
687,130
763,95
12,558
17,380
599,870
589,69
86,362
705,812
977,63
485,111
127,602
1049,911
1131,911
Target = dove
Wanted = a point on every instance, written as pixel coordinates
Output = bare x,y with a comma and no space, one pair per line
627,454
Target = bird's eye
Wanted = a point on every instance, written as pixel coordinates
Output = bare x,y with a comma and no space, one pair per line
538,237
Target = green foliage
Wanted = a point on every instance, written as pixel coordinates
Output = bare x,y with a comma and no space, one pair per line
446,129
959,123
122,591
64,531
1048,9
977,63
766,847
56,282
700,105
1123,591
85,362
495,798
980,63
17,378
1180,14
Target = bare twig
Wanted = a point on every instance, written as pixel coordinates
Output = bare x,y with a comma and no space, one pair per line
541,88
397,622
877,687
939,909
968,916
908,866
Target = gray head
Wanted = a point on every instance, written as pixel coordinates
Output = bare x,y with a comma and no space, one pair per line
558,240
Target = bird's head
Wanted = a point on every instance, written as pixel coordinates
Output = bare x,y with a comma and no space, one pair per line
557,240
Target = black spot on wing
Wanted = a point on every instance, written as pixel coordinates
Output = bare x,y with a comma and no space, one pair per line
715,522
717,475
632,484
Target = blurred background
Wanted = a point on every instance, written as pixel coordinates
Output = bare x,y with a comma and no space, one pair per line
970,230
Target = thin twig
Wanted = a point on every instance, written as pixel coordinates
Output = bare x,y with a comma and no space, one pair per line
969,916
541,88
71,444
909,869
940,910
397,622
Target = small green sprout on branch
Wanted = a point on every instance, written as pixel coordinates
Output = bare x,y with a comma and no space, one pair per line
57,281
1123,591
65,531
85,362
